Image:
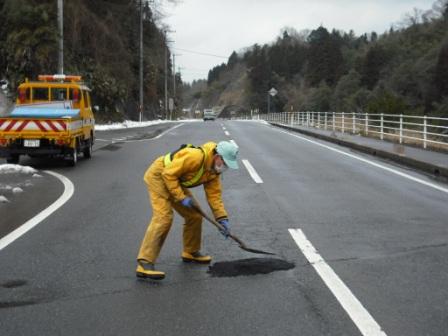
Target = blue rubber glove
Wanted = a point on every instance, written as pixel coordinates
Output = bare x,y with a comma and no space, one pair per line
187,202
226,224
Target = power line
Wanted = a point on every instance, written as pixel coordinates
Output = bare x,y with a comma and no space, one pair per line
200,53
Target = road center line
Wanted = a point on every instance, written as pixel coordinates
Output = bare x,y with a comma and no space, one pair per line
253,173
227,133
359,315
69,189
233,141
410,177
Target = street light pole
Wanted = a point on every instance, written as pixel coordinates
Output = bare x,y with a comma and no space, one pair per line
61,36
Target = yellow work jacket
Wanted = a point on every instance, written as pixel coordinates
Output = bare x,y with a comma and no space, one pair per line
184,166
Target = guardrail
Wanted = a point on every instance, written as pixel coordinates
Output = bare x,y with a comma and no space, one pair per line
415,130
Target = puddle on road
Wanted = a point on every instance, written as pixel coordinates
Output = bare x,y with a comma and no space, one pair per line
250,266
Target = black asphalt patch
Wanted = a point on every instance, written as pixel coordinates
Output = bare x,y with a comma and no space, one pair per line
13,304
149,135
112,147
13,283
250,266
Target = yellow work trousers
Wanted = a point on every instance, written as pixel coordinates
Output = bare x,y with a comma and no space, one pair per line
162,217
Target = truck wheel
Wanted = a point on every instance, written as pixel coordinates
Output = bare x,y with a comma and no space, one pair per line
88,149
13,159
73,158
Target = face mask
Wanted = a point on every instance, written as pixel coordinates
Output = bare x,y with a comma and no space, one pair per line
220,169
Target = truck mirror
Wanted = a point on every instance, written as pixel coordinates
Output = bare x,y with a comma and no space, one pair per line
22,95
75,95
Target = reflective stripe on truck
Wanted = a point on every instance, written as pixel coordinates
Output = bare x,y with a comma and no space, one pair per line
32,125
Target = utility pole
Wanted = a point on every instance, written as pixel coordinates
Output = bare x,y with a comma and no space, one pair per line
174,76
61,36
166,77
140,106
166,70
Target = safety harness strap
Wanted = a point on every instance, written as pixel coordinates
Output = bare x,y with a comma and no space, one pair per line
169,158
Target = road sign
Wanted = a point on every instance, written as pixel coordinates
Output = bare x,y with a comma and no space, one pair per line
273,92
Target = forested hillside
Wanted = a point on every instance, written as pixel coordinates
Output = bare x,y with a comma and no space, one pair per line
101,43
404,70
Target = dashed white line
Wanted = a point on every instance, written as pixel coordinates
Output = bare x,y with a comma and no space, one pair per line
407,176
253,173
233,141
227,133
359,315
69,189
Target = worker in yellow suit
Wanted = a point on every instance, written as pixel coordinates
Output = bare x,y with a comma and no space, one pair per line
168,179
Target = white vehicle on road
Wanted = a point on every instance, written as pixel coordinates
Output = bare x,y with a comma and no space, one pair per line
209,115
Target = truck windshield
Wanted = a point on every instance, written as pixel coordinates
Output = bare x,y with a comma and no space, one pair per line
40,94
59,94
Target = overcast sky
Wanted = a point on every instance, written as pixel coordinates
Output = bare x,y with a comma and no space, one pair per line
220,26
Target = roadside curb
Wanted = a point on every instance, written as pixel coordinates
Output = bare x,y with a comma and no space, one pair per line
426,167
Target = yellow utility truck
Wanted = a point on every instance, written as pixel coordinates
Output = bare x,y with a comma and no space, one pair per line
52,117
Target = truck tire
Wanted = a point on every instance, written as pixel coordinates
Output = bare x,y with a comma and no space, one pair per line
88,149
73,158
13,159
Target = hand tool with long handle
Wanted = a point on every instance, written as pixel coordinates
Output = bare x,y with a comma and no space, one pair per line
222,228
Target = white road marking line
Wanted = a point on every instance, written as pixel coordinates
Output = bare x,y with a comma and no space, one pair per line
227,133
412,178
253,173
223,128
69,189
233,141
168,130
140,140
359,315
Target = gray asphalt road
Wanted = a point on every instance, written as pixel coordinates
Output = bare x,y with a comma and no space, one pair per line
384,235
40,192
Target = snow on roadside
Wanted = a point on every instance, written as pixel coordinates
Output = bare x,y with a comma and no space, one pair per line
261,121
14,179
17,190
135,124
16,169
